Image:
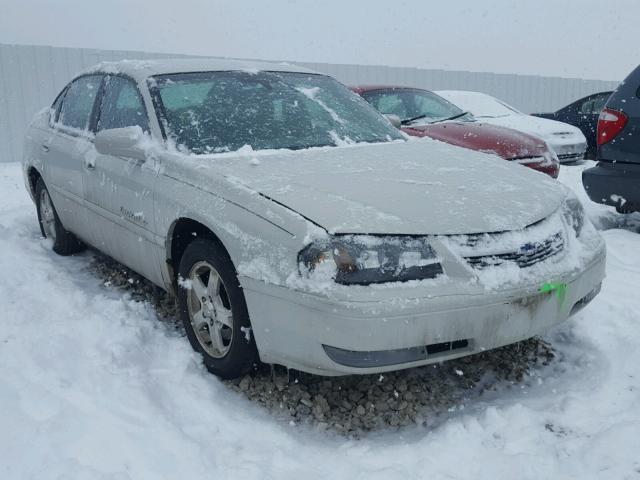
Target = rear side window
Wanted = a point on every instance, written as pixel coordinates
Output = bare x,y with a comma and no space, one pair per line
78,102
594,105
122,105
55,108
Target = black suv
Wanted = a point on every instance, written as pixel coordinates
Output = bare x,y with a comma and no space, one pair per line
615,180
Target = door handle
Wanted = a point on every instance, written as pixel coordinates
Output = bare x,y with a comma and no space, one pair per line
45,148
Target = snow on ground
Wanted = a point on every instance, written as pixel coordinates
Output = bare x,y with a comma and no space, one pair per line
93,386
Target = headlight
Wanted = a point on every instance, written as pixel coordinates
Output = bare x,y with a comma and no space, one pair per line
366,259
573,212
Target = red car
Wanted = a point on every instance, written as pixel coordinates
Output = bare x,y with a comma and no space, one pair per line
422,113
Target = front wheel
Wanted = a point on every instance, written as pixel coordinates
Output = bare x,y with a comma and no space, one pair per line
64,242
213,310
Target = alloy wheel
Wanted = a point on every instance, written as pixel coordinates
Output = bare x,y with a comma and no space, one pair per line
209,310
47,215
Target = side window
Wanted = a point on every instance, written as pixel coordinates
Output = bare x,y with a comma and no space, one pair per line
599,103
77,104
122,105
587,107
55,108
594,105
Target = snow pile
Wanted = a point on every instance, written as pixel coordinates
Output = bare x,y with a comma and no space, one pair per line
95,387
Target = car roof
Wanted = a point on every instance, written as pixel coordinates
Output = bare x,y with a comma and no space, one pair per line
142,69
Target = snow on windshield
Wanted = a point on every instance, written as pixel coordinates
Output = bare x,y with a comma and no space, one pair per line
312,93
479,104
214,112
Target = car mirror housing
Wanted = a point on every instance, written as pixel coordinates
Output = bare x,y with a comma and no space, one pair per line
122,142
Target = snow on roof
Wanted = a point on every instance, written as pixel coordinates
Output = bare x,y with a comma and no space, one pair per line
141,69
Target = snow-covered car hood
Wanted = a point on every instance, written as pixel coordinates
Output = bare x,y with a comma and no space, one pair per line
488,109
414,187
549,130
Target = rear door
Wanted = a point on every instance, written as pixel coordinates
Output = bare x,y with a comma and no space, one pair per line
70,140
118,191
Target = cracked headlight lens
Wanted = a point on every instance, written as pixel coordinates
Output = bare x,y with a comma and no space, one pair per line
367,259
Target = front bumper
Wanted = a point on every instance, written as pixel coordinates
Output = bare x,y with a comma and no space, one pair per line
568,150
541,164
326,336
615,184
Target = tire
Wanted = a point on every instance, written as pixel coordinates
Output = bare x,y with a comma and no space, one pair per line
626,208
208,305
64,242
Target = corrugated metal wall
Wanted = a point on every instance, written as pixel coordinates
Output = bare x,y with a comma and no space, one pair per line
31,76
528,93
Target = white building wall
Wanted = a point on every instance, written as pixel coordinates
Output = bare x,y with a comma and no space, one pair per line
31,77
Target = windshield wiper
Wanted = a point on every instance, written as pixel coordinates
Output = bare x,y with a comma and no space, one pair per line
313,145
453,117
409,120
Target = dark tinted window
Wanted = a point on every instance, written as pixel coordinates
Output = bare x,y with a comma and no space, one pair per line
122,105
78,102
223,111
594,105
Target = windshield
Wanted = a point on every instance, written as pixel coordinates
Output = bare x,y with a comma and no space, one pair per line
214,112
415,105
479,104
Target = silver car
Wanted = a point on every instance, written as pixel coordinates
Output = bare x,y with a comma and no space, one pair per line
568,142
296,225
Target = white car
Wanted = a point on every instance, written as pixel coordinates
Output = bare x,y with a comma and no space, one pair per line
296,225
567,141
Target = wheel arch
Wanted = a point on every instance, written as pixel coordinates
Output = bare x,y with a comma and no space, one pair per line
181,233
33,175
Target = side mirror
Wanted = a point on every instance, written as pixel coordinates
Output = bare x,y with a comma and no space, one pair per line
394,119
122,142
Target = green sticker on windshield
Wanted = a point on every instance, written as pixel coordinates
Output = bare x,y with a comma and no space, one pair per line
559,288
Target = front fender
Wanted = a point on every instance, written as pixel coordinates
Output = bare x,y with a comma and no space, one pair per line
262,237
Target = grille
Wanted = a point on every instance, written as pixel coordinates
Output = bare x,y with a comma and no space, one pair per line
528,254
570,156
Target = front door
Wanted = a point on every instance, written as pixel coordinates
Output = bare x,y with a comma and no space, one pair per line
118,191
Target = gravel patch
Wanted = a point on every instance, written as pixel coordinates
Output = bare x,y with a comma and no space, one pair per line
354,405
